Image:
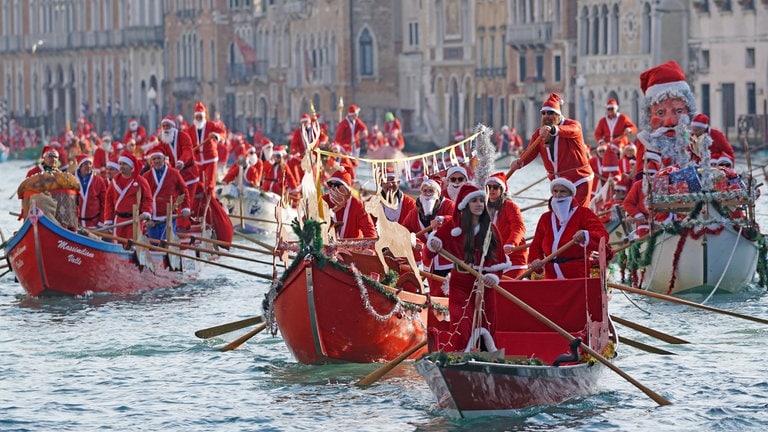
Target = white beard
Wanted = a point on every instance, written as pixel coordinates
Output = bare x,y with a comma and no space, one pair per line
106,146
267,154
453,191
428,204
133,126
167,136
199,123
561,207
252,159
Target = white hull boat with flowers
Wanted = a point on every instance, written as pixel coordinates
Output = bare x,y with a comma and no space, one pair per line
712,246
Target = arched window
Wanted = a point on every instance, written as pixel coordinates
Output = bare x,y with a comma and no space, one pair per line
365,51
595,40
645,30
584,40
604,29
613,45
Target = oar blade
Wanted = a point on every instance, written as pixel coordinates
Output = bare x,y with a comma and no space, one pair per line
242,339
383,370
644,347
227,328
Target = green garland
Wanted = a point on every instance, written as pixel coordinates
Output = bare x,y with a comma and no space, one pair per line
311,244
446,358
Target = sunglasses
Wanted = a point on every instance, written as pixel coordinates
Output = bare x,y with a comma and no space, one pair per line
334,185
456,179
494,186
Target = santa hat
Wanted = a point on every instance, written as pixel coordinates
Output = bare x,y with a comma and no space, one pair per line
119,146
279,150
629,147
467,193
169,120
106,136
306,118
390,173
417,166
156,150
623,184
82,158
200,108
601,147
612,103
55,143
651,156
553,104
725,160
456,169
113,164
652,166
498,178
128,158
701,120
458,136
353,109
563,182
342,176
431,183
48,149
610,160
664,78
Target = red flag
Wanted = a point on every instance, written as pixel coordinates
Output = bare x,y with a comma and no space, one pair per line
248,53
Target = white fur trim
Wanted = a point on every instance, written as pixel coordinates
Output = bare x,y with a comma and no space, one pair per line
494,277
126,160
653,156
655,90
431,183
563,182
546,108
454,169
470,196
700,124
497,181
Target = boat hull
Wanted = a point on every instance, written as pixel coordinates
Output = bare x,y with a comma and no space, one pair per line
50,260
725,259
325,317
473,389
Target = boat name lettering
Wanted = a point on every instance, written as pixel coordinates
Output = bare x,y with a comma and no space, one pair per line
78,250
74,260
18,252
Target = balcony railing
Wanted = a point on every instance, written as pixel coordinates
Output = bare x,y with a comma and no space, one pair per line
491,72
184,87
242,71
529,35
150,35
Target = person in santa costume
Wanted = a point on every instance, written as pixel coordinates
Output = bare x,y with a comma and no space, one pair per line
251,167
720,146
565,220
393,131
177,146
562,149
205,136
351,131
596,163
628,161
465,237
635,201
348,215
125,190
508,219
615,128
455,178
49,162
297,141
394,197
167,185
432,211
102,154
277,177
93,193
136,133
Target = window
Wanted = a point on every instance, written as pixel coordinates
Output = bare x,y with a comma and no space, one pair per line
558,72
705,60
413,33
751,99
540,67
366,53
522,68
750,64
705,102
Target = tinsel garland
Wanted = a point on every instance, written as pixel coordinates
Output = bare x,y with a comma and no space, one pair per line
486,153
311,246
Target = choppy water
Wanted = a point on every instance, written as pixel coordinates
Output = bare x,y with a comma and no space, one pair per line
133,363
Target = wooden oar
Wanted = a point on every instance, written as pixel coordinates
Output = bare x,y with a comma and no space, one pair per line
2,266
518,248
221,243
205,250
549,323
112,226
547,258
227,328
644,347
533,206
685,302
530,149
242,339
172,252
258,242
649,331
383,370
248,218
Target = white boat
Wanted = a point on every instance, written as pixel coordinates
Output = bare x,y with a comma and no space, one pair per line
252,210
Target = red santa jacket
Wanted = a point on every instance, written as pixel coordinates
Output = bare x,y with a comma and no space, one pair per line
509,222
100,159
393,132
414,223
352,220
720,146
181,150
122,194
90,210
570,157
278,179
350,133
251,174
204,147
613,132
166,188
549,237
139,136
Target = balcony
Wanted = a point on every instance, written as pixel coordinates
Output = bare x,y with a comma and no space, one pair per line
532,35
186,14
296,9
185,87
241,72
149,35
491,72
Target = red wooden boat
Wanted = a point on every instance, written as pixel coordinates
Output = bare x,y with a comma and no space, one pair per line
328,312
530,370
48,259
